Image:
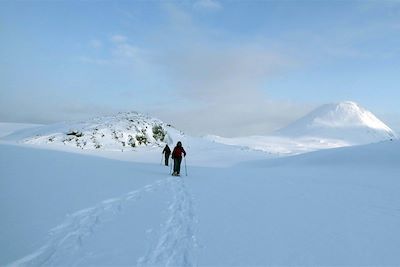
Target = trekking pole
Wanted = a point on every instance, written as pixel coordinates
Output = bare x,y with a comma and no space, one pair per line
162,155
185,166
170,169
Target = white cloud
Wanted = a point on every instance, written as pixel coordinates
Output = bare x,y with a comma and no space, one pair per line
382,6
212,5
222,72
97,61
119,51
178,17
395,26
125,50
220,85
36,110
96,44
224,85
119,38
261,117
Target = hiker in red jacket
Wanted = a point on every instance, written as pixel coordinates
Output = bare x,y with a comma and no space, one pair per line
177,157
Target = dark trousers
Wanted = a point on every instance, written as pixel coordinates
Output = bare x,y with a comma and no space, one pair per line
166,155
177,164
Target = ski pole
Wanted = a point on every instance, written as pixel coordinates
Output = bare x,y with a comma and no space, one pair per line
162,155
185,166
170,169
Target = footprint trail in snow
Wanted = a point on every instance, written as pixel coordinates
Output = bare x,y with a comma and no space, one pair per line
177,243
66,239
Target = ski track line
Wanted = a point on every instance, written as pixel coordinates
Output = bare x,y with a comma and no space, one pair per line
66,239
177,244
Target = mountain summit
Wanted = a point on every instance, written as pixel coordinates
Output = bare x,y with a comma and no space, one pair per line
345,120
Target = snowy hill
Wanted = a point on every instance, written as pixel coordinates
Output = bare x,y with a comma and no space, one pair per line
345,121
122,131
141,138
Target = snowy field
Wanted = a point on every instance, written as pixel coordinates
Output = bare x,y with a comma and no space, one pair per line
236,206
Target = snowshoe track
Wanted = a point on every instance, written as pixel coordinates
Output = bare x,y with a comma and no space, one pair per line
177,243
66,239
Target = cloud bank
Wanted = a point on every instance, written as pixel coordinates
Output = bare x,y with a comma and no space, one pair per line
221,86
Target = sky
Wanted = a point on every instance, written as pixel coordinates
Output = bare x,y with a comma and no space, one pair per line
230,68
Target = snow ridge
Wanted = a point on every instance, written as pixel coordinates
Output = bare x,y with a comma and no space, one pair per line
66,239
177,244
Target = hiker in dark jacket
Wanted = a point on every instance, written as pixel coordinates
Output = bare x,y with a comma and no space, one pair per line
177,157
166,152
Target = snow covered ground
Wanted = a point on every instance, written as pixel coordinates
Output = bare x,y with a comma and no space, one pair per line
236,206
280,145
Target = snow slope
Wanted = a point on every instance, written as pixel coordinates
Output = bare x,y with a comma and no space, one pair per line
54,203
331,207
280,145
345,121
7,128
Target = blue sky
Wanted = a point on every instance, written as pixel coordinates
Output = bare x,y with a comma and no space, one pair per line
222,67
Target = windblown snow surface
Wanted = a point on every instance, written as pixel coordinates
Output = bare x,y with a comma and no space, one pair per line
235,207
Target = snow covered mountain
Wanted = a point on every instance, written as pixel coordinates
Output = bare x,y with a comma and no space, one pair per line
329,126
346,121
122,131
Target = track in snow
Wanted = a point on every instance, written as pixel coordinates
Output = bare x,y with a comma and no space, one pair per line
65,240
177,243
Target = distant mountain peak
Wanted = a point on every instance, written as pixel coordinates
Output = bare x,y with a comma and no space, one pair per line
345,120
346,114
